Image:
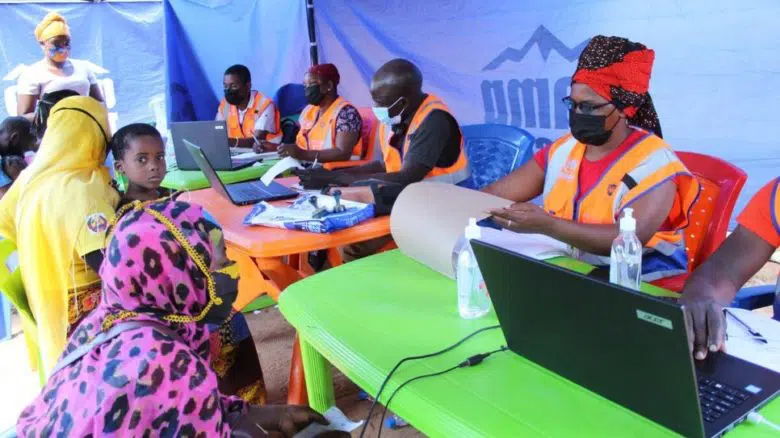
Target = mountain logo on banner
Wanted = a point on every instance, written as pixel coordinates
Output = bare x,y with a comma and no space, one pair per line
546,41
527,101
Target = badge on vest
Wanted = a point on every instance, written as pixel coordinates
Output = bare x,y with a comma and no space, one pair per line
611,189
97,223
569,170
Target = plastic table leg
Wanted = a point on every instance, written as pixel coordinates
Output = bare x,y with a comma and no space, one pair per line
319,378
296,386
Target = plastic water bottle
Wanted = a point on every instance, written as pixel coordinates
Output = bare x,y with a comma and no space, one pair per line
473,298
625,260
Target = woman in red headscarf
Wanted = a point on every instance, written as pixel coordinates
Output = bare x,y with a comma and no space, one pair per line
613,159
330,125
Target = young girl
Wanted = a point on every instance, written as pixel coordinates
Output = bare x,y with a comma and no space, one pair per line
139,156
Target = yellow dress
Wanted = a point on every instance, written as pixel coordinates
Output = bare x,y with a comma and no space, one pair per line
56,212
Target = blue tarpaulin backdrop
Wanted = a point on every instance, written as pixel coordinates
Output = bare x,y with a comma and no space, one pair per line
123,38
205,37
715,81
504,61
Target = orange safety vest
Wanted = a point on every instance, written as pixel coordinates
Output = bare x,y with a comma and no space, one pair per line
318,132
649,163
258,103
454,174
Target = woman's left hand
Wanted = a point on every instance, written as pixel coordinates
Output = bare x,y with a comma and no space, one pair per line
289,150
522,217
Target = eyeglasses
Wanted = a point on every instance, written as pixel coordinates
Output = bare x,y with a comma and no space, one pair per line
583,107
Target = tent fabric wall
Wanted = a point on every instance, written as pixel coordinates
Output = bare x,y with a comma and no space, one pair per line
714,82
121,39
204,37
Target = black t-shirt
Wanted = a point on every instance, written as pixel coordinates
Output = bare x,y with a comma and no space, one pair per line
436,142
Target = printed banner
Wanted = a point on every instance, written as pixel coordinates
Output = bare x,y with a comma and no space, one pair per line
714,81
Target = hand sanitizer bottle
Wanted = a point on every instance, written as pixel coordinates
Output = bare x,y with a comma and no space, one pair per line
473,299
625,260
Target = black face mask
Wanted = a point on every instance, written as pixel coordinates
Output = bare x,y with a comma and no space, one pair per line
589,129
233,97
227,289
313,94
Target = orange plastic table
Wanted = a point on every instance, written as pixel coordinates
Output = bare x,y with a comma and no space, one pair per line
270,259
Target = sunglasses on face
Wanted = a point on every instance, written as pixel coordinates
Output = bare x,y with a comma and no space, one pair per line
582,107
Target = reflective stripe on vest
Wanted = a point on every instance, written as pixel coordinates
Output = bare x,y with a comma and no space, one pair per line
258,103
454,174
646,165
318,134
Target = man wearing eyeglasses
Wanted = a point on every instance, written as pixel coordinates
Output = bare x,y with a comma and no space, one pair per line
612,159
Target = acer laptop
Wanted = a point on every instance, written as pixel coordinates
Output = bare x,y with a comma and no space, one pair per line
624,345
244,193
213,139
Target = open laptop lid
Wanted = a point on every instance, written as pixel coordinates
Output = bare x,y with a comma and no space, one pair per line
623,345
205,166
212,138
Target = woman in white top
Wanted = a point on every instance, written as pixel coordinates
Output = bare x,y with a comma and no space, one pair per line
55,71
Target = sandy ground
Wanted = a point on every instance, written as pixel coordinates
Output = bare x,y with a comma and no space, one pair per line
274,339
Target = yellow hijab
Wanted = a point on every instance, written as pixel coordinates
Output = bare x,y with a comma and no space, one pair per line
47,207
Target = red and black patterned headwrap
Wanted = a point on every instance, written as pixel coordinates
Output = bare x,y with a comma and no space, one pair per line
326,72
619,71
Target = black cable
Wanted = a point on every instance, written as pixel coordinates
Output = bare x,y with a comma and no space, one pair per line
470,362
423,356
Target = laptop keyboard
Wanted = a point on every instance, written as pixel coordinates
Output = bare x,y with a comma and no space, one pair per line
718,399
241,192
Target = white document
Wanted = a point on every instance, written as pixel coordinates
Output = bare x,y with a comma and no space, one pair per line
536,246
742,345
338,421
282,166
246,156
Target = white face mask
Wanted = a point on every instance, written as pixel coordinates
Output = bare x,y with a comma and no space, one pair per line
382,114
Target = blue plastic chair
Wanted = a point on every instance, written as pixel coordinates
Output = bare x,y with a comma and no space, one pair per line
494,151
290,99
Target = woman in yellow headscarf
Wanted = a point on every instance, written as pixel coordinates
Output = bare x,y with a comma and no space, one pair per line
57,71
57,214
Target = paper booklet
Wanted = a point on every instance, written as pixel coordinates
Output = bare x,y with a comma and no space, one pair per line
428,218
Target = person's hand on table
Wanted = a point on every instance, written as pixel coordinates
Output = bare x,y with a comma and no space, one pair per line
263,146
358,194
522,217
318,178
289,150
283,420
705,321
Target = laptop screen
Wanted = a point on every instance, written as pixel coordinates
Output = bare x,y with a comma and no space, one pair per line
208,170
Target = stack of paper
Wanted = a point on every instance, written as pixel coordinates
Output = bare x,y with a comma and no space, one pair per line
742,345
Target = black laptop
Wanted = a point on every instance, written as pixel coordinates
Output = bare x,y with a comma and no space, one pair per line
244,193
627,346
213,139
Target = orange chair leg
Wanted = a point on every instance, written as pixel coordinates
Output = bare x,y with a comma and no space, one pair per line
296,394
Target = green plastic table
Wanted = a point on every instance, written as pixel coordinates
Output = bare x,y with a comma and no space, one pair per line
390,306
195,179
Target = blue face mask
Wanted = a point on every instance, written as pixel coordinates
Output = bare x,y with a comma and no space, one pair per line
59,54
382,114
